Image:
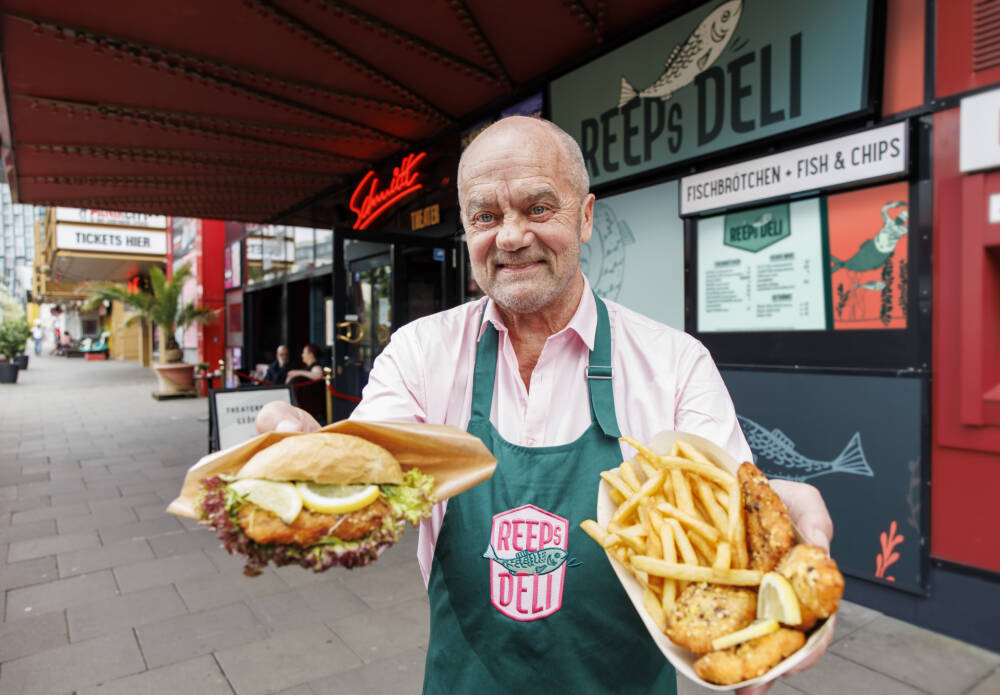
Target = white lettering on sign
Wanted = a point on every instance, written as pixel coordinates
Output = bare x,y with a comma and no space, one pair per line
979,132
873,154
113,217
91,238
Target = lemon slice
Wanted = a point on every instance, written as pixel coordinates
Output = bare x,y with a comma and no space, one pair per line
336,499
777,600
279,498
758,628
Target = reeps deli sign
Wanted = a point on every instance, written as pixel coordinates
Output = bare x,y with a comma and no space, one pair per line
721,75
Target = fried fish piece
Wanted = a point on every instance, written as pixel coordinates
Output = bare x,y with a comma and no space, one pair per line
309,526
705,611
750,659
769,530
816,580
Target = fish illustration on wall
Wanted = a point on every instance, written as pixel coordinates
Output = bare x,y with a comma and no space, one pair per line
874,252
533,561
692,57
603,257
775,453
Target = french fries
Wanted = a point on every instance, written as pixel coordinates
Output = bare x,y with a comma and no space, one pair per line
679,519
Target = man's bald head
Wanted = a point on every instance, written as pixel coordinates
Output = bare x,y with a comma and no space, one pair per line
572,157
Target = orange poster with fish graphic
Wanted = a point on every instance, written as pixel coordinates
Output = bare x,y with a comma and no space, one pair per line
869,263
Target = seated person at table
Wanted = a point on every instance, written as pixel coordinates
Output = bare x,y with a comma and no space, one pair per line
278,370
310,358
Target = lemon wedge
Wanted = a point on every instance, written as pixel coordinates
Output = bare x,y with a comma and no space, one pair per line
776,600
278,498
758,628
336,499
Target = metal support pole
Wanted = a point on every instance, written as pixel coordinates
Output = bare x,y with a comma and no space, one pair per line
327,378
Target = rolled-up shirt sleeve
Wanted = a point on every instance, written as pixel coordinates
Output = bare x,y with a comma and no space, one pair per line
704,407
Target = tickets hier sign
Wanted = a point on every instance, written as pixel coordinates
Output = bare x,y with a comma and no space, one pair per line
867,156
721,75
78,237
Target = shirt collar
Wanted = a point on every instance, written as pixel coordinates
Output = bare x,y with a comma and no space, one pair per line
583,323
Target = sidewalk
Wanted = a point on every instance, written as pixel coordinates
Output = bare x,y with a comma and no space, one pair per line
103,592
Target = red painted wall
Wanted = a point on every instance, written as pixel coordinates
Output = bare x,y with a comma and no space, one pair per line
212,336
903,84
965,401
954,58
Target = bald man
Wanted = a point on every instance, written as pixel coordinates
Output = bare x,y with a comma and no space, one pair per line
549,376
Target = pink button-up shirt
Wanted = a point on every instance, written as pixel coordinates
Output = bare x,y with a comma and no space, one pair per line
663,380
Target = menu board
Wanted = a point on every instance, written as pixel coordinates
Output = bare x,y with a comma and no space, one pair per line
763,269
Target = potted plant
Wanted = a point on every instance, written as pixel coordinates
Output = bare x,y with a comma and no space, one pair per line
13,336
164,308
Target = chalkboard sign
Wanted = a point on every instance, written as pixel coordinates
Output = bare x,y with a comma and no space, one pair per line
233,412
860,440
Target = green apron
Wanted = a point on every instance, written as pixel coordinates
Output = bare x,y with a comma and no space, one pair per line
521,600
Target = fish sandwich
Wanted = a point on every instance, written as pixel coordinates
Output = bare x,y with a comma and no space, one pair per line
316,500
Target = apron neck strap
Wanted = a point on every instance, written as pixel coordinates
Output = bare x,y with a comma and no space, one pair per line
598,373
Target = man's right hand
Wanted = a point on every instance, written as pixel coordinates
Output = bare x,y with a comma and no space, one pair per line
278,416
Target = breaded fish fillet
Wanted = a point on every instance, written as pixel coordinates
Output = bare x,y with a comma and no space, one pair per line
750,659
704,612
769,529
816,580
309,526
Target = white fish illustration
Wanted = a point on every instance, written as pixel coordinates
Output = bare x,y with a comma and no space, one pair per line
762,220
775,454
692,57
603,257
874,285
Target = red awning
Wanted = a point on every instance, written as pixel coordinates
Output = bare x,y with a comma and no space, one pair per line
242,109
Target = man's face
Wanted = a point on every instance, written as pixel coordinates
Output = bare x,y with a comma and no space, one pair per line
523,221
282,354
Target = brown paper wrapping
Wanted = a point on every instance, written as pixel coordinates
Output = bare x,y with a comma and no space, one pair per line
456,459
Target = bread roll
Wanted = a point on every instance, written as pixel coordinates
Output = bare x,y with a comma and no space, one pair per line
326,458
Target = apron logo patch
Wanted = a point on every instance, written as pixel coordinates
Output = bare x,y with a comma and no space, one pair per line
528,557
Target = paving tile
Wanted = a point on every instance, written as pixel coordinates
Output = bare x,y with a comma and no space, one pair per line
401,675
989,685
104,557
111,516
285,659
58,595
129,501
55,512
686,687
923,659
140,529
834,675
331,600
51,545
377,635
75,666
160,571
31,636
19,505
200,676
383,586
88,496
131,610
49,488
188,636
212,591
21,532
297,690
28,572
177,543
852,617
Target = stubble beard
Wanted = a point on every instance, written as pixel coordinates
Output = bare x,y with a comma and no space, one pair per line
531,294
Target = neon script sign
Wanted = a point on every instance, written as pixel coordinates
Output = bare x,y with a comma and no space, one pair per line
369,203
